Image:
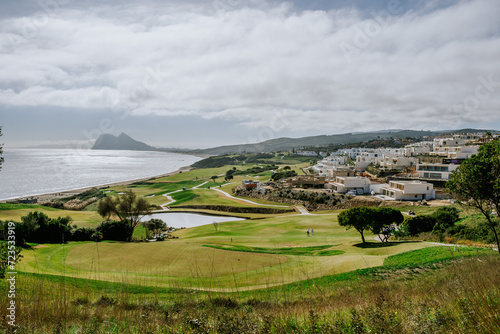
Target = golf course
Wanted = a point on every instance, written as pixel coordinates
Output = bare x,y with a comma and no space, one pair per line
269,267
245,254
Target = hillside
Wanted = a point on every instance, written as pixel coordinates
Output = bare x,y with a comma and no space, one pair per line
284,144
121,142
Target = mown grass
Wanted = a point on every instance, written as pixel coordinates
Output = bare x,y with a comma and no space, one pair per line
196,174
185,261
80,218
183,196
459,295
434,255
212,184
11,206
304,251
166,187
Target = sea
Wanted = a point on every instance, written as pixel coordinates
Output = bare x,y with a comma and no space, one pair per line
30,172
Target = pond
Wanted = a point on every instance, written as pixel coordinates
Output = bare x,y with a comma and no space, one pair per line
180,219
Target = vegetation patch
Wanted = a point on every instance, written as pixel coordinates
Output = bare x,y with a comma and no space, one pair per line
12,206
305,251
183,196
233,209
433,255
166,187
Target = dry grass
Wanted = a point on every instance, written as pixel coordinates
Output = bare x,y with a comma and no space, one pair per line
461,297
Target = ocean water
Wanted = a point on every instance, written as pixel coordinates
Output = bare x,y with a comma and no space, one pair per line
27,172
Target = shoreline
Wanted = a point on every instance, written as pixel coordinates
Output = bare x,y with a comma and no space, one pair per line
41,198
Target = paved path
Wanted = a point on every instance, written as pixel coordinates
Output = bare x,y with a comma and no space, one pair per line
303,211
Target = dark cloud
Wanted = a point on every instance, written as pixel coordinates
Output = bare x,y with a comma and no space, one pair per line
265,66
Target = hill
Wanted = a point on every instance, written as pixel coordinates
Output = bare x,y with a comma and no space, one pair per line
285,144
121,142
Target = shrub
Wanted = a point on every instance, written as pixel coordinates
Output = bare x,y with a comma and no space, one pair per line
445,217
114,230
82,234
38,227
415,225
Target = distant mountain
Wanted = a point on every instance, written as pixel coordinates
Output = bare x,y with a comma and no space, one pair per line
122,142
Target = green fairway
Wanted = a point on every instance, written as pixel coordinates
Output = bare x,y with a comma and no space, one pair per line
263,252
195,174
80,218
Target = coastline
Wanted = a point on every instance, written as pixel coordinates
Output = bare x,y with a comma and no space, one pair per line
41,198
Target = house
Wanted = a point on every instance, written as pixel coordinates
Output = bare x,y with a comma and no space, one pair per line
435,171
455,152
359,185
365,159
424,147
392,161
408,191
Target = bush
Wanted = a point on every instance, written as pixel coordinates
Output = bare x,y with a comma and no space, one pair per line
82,234
415,225
445,217
114,230
38,227
480,232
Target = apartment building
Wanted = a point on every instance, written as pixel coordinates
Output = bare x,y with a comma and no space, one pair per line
359,185
408,191
435,171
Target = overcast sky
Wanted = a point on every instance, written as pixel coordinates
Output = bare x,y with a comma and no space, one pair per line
205,73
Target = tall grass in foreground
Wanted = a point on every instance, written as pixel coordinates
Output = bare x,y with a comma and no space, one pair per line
457,296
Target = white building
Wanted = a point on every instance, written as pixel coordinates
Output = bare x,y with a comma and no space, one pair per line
455,152
435,171
333,160
392,161
423,147
457,141
408,191
360,185
365,159
351,153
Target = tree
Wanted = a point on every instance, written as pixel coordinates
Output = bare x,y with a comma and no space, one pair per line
357,218
214,177
417,224
128,208
38,227
477,183
154,225
381,221
229,177
445,217
113,230
1,150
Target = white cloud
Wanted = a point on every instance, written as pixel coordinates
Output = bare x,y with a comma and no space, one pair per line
335,71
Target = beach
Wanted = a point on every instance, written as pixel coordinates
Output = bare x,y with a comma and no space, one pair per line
43,198
49,173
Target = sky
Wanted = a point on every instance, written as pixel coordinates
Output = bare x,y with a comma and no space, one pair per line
196,74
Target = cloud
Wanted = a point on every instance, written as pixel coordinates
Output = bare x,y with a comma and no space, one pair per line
260,65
